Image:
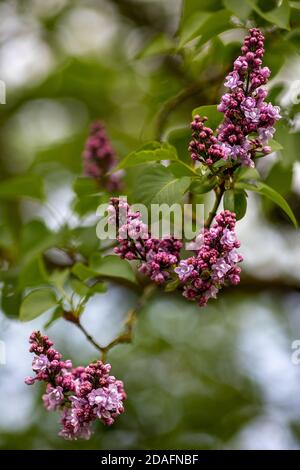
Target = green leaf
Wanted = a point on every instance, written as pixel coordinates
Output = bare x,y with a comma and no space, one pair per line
158,185
172,285
180,169
83,272
220,163
235,201
83,186
36,238
159,45
215,24
33,273
11,299
112,266
279,16
36,303
243,173
59,278
265,190
290,141
189,29
211,112
88,195
87,204
163,152
203,185
180,138
84,239
22,186
280,177
294,37
275,146
239,8
58,313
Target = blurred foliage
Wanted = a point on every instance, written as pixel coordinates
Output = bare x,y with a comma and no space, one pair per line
141,67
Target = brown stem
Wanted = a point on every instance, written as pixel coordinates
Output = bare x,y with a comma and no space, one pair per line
219,191
126,335
89,337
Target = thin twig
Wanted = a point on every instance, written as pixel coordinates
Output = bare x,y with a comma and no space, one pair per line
88,336
126,335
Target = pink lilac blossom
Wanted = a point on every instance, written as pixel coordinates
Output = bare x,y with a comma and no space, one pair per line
99,158
215,262
157,256
248,120
81,394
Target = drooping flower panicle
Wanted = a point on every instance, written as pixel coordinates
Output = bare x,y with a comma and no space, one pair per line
248,120
82,394
215,262
99,158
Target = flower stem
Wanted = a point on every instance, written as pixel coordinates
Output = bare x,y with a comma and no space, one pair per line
219,191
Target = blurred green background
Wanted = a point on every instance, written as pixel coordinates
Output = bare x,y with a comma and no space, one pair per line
219,377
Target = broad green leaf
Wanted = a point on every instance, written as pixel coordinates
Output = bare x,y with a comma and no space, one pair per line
180,138
275,146
84,239
66,153
158,185
215,24
86,291
279,16
164,152
235,201
33,273
89,195
83,272
290,142
113,267
172,285
36,303
220,163
211,112
36,238
190,28
83,186
58,313
190,7
294,37
180,169
86,204
265,190
110,266
22,186
11,299
246,173
203,185
280,177
159,45
241,9
59,278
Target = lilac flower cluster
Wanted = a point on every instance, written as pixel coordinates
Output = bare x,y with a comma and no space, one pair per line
157,256
82,394
215,262
248,120
99,158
